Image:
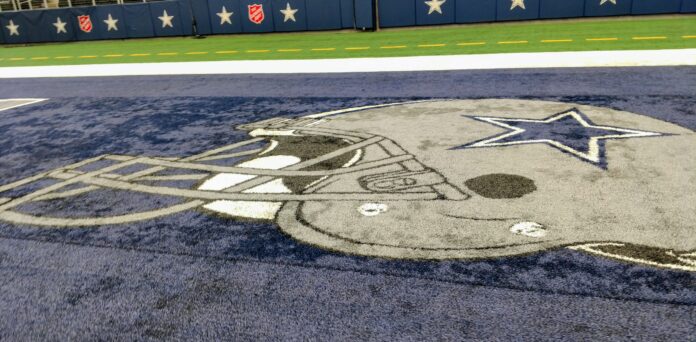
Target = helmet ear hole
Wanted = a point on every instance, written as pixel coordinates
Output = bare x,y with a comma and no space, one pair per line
500,185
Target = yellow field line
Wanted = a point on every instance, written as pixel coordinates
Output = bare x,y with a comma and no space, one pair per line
649,38
514,42
556,40
600,39
354,48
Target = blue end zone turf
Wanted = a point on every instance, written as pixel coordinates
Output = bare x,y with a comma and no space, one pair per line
198,267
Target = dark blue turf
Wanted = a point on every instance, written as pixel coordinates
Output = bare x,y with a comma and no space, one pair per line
180,116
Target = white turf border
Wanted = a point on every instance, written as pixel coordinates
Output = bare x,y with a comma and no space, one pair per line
582,59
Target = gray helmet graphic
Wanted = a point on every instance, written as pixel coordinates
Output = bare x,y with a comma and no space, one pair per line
460,179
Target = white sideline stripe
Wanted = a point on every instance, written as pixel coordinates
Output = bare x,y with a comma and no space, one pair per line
628,58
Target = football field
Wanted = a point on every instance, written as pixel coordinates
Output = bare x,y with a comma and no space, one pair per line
427,203
637,33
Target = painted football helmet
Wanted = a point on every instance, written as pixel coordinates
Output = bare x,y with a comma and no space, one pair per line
456,179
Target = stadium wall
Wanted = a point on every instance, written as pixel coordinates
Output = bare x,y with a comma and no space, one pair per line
400,13
176,17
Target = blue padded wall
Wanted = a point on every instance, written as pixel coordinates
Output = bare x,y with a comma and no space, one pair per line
219,21
2,33
283,24
198,10
505,11
596,8
561,8
37,26
138,20
655,6
347,14
688,6
475,11
36,33
186,18
434,15
265,22
323,14
364,14
21,35
166,18
394,13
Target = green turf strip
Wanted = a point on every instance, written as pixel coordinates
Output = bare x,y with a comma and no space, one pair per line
626,33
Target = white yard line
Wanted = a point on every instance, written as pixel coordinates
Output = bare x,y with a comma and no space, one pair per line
385,64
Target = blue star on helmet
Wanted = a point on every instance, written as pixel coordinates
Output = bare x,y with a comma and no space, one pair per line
571,132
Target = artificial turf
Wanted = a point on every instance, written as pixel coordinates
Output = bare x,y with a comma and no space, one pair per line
624,33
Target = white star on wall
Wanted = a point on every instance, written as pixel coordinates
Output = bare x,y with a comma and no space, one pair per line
111,23
517,3
14,29
225,17
603,1
166,19
60,26
435,6
289,13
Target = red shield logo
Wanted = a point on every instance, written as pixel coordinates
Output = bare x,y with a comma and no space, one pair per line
85,23
256,13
